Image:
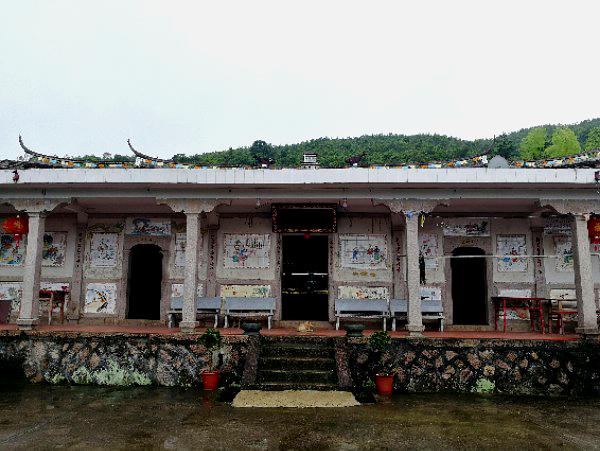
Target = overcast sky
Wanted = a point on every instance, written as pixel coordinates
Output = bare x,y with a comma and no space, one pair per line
189,77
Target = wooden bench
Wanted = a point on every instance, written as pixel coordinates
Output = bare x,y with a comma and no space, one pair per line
249,307
361,308
430,309
204,306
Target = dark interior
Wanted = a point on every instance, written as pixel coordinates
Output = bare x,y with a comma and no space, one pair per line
469,287
145,280
303,219
305,279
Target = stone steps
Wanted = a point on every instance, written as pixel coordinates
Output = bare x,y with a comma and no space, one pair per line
297,376
271,386
296,363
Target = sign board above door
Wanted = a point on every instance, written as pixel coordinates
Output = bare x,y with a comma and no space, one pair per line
304,218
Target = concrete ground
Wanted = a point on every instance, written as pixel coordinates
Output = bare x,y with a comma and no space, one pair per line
41,416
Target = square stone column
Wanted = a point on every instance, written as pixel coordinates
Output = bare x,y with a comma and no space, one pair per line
584,282
188,321
28,314
413,280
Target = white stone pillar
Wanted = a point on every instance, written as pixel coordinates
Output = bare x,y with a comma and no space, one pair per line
413,280
584,283
28,314
190,287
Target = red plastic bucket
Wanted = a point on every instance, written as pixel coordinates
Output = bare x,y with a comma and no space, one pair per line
384,384
210,380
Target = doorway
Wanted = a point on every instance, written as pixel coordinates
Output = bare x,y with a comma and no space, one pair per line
469,286
305,278
145,281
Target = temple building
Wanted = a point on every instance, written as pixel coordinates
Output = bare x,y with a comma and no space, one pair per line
125,241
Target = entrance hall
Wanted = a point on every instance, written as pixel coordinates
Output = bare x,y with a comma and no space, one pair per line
145,281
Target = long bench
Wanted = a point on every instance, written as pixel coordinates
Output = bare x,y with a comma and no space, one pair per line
361,308
430,309
204,306
249,307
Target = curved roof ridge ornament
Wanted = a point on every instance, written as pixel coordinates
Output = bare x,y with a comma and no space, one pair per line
28,151
146,157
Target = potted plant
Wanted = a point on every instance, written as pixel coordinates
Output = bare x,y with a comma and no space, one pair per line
211,340
380,342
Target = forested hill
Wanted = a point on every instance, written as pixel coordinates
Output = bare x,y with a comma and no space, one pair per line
534,143
546,141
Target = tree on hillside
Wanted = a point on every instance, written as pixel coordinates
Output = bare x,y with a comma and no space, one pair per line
261,150
564,142
533,145
593,139
504,146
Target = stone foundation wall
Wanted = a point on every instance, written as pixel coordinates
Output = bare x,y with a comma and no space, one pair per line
521,367
120,359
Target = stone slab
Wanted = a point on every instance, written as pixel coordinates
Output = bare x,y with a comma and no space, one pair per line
294,398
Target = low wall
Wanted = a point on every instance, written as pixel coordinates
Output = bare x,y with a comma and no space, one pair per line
524,367
119,359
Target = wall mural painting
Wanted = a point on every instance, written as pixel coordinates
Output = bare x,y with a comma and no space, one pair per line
12,252
516,313
566,294
363,251
557,226
54,286
180,242
429,250
247,251
466,227
564,253
511,247
12,291
103,250
431,294
148,227
54,249
245,291
366,293
100,298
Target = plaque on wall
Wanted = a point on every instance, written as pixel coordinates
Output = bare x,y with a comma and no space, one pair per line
304,218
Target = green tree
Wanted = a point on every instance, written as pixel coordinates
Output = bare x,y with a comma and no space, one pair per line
532,146
261,149
504,146
593,139
564,142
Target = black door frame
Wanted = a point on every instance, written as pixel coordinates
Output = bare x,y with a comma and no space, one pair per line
475,251
130,262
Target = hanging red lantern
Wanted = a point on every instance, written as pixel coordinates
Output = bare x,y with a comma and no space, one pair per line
594,230
15,225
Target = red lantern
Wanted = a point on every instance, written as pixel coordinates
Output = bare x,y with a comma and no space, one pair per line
15,225
594,230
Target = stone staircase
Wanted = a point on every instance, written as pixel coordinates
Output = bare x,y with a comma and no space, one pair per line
296,363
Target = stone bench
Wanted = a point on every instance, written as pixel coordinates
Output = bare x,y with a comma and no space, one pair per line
361,308
204,306
249,307
430,309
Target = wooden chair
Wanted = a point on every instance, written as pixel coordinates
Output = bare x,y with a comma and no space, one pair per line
558,309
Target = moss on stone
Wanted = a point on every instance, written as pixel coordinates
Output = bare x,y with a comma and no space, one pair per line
484,385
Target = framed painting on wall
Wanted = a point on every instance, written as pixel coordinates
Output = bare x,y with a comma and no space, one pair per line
510,248
361,292
12,252
103,249
363,251
54,248
563,249
247,250
100,298
139,226
429,250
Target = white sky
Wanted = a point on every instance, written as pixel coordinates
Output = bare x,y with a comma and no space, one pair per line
81,77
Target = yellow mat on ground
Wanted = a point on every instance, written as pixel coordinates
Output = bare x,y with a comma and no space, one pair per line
294,398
